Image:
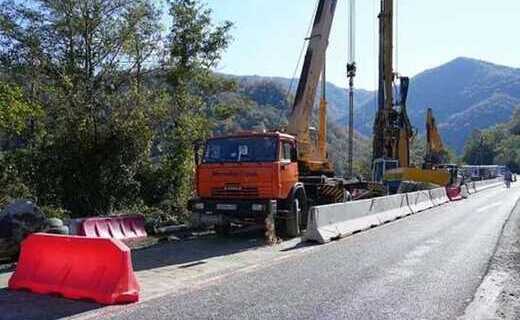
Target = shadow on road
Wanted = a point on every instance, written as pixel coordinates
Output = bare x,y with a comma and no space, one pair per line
300,245
193,252
17,305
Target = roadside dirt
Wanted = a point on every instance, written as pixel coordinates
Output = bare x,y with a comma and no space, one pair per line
498,297
507,260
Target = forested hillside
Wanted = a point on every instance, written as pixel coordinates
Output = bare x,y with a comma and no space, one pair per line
465,94
497,145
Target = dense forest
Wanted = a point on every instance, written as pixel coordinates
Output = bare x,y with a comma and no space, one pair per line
84,127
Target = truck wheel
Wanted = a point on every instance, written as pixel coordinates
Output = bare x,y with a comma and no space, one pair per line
292,223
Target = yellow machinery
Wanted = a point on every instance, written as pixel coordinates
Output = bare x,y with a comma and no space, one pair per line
435,152
434,168
393,131
439,177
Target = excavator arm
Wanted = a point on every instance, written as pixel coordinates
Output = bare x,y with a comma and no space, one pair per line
435,152
313,156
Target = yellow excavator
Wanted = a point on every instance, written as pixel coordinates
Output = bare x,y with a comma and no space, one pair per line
435,169
435,153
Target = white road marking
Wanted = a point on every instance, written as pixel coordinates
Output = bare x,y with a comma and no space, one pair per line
495,204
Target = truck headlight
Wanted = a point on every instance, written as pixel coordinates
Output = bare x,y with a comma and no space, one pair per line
258,207
199,205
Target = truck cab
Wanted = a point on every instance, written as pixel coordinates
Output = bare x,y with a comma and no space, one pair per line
244,178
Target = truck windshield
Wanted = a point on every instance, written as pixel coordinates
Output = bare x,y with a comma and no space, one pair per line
250,149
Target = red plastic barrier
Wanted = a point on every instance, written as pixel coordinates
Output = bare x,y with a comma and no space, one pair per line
121,227
454,193
77,268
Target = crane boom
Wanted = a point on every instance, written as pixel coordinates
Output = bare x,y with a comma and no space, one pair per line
313,157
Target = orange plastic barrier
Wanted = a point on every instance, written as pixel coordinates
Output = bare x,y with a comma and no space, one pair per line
76,268
121,227
454,193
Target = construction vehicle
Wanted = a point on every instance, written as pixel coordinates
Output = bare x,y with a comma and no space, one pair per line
435,152
392,129
260,177
393,132
435,168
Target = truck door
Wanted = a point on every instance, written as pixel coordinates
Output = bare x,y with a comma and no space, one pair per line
288,167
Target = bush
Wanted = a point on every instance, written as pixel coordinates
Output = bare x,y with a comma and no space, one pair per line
53,212
12,184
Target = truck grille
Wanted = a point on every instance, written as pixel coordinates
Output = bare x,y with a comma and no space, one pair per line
244,192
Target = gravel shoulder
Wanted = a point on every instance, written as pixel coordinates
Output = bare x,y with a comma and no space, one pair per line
498,297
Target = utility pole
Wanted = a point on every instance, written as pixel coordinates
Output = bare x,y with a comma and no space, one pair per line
351,74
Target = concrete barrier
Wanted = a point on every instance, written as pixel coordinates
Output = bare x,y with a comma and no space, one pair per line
487,184
464,191
342,219
391,207
439,196
419,201
339,220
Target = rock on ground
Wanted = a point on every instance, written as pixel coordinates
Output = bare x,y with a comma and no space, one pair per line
17,220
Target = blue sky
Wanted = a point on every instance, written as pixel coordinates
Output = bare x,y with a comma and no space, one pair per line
268,35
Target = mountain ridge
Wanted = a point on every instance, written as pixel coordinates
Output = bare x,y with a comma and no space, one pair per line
465,94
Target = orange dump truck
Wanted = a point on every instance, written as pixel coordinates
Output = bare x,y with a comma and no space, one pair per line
251,177
245,178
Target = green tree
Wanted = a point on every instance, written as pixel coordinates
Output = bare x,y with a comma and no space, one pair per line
194,48
508,153
480,148
16,112
83,61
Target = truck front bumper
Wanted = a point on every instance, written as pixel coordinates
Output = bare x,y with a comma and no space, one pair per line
219,212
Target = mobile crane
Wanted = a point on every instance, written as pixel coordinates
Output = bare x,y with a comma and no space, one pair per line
260,177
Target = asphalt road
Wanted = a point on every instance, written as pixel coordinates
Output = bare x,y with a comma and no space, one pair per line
427,266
